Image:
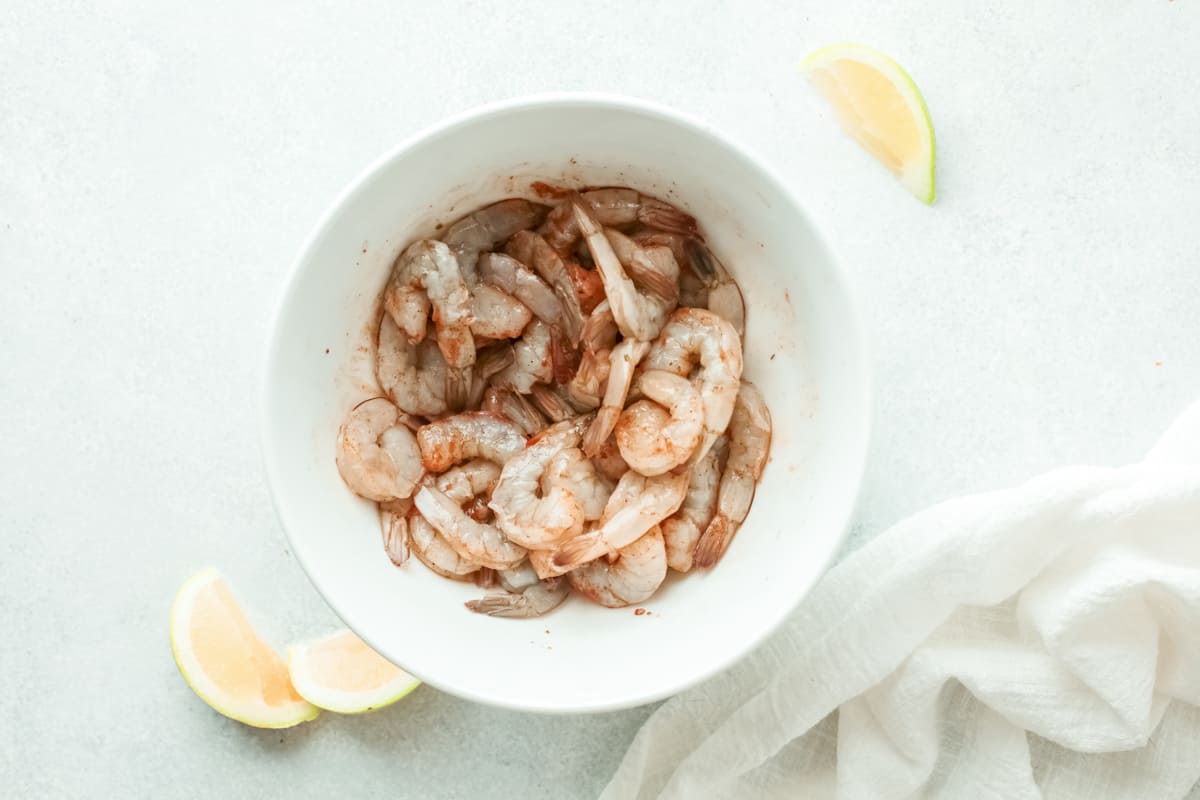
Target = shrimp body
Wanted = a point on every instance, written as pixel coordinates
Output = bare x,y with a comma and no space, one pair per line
413,376
532,600
488,227
532,250
639,316
496,314
377,454
682,531
434,552
749,445
637,504
533,363
571,470
622,362
530,513
698,338
614,206
657,434
475,540
506,273
466,436
488,362
426,274
638,571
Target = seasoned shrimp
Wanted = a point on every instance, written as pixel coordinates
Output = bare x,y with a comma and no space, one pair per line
638,315
533,362
480,542
682,530
532,250
660,433
426,274
465,436
377,455
488,227
514,407
623,360
696,336
497,314
533,600
527,516
749,445
724,298
552,402
599,337
614,206
572,470
638,571
637,504
651,268
412,376
434,552
589,288
513,277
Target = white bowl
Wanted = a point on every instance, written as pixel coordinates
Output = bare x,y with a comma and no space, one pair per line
803,347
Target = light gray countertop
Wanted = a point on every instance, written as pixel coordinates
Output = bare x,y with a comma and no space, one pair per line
159,166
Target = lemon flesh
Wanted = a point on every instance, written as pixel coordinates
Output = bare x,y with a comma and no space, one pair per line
224,660
341,673
879,105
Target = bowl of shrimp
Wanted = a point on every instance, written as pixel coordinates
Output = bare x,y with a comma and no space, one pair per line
566,404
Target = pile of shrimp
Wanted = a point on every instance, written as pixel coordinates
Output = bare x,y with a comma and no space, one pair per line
575,416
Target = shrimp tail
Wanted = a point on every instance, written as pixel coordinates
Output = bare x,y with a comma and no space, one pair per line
395,536
563,356
600,429
458,387
502,604
700,260
664,216
664,286
578,550
714,541
485,577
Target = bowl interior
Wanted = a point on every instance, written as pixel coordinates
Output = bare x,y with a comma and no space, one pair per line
803,349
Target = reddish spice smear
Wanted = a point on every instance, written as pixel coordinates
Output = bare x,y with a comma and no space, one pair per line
542,189
326,351
637,612
589,288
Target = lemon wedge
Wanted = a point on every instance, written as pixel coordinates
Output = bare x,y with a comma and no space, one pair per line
879,105
341,673
225,661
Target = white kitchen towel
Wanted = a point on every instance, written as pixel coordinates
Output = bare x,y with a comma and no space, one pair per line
1041,641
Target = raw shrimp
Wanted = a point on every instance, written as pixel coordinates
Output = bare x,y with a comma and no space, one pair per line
393,522
638,571
377,455
639,316
599,337
526,516
412,376
623,360
515,408
532,250
724,298
614,206
651,268
480,542
435,552
749,445
589,288
488,362
660,433
533,363
637,504
534,600
497,314
696,336
488,227
465,436
426,274
510,275
572,470
682,531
